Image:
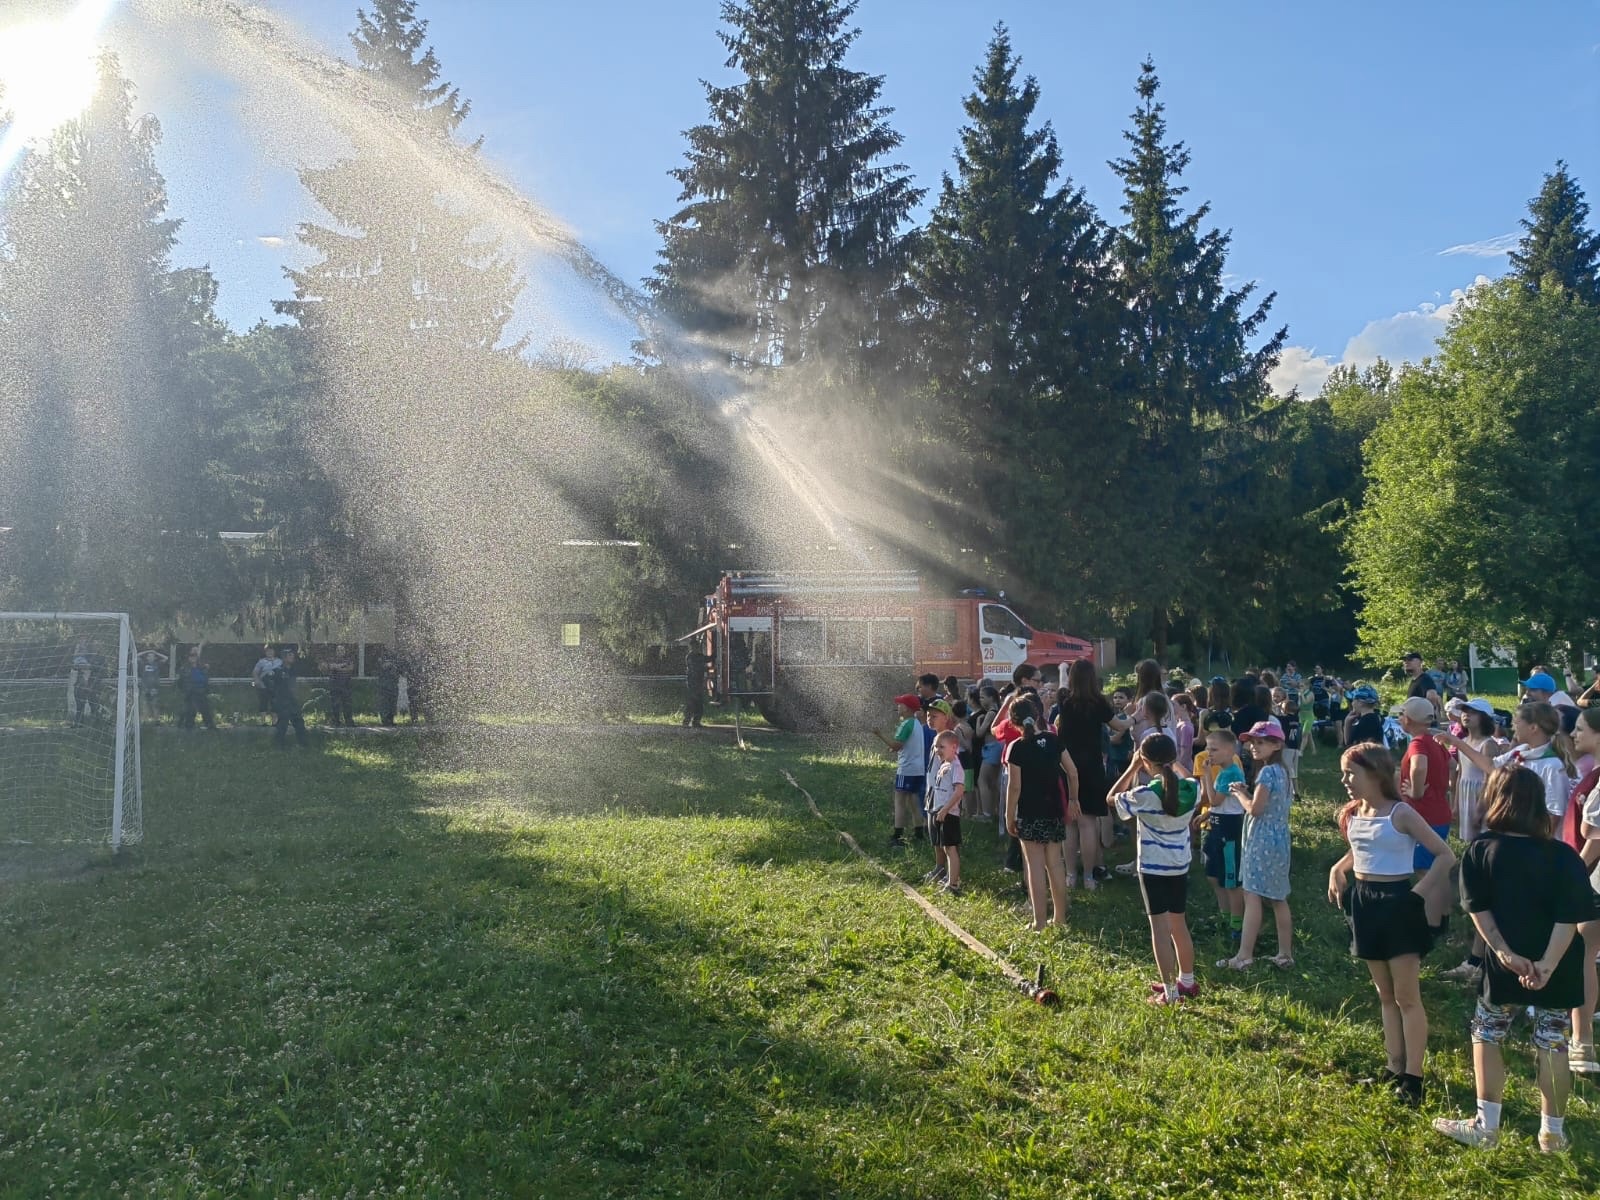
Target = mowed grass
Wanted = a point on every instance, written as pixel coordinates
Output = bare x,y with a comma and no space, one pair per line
615,965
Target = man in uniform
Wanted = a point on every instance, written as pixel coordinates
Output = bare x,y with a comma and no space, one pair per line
696,663
284,701
341,687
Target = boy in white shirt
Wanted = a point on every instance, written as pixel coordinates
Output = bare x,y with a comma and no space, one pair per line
946,790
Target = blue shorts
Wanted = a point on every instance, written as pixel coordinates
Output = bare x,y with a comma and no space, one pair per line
912,783
1222,846
1421,859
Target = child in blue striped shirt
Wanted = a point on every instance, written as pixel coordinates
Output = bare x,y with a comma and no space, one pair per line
1163,807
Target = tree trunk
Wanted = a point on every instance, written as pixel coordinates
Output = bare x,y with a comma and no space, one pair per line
1160,626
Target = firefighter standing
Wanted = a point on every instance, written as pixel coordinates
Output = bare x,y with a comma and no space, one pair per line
341,687
388,689
284,701
696,663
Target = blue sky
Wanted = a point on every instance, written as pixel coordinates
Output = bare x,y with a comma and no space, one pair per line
1348,146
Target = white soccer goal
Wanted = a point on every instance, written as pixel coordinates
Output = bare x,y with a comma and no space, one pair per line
69,729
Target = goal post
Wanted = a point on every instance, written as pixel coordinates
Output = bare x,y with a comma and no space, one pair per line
70,755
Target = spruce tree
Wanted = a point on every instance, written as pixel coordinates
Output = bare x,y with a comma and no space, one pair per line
1016,325
788,242
1557,241
402,322
1197,392
106,476
398,261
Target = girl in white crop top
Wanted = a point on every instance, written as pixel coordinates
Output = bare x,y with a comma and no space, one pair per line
1379,848
1391,921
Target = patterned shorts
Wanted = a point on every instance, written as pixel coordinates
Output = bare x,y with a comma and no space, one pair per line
1041,829
1491,1023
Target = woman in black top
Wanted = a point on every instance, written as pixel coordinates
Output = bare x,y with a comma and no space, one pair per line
1527,892
1084,714
1366,725
1035,813
1217,713
1247,714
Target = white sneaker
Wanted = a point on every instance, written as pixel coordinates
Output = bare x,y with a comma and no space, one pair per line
1468,1133
1580,1058
1127,868
1464,972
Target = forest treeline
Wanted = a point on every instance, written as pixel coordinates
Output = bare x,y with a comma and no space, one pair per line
1078,400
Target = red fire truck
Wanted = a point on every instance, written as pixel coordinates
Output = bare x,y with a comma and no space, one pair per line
802,643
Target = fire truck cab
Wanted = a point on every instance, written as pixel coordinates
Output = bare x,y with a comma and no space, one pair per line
807,641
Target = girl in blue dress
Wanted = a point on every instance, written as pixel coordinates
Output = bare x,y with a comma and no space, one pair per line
1264,860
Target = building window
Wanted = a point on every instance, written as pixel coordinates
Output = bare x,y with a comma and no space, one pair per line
891,640
941,626
847,640
572,634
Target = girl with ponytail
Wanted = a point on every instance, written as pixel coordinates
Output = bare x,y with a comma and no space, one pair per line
1541,747
1157,794
1035,762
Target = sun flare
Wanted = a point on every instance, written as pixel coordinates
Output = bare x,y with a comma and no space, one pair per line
47,74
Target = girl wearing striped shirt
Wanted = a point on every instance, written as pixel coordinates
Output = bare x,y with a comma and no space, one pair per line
1162,808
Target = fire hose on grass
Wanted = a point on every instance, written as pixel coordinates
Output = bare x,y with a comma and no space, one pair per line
1034,989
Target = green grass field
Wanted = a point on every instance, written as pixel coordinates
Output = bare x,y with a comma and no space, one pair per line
619,966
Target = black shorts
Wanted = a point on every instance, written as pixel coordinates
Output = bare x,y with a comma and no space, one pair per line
1164,893
946,832
1387,920
1594,907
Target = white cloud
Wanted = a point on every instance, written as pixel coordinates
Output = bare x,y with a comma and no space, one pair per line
273,240
1408,336
1300,368
1493,247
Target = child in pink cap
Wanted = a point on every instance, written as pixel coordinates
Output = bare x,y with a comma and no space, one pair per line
1264,860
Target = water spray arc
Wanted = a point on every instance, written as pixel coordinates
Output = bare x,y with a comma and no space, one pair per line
458,169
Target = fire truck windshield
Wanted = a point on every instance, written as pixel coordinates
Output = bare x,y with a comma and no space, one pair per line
1004,622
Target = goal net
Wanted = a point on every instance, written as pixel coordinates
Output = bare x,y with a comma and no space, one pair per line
69,729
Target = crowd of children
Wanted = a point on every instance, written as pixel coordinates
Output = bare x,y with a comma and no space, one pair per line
1066,771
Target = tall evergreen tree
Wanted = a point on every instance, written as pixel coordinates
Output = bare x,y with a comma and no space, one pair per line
105,473
403,319
1557,241
788,243
1198,393
1016,323
398,260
